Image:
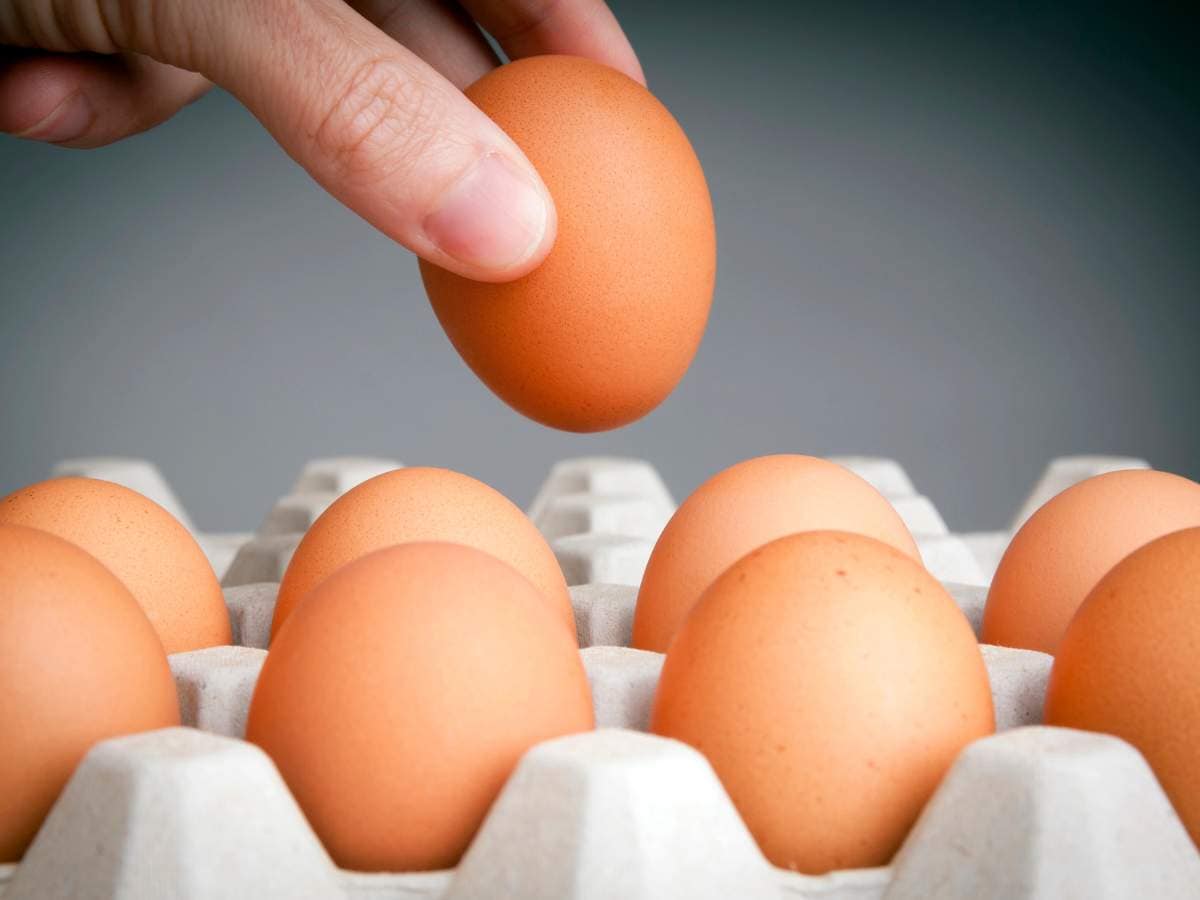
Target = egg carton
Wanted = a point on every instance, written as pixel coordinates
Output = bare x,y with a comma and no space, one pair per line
196,811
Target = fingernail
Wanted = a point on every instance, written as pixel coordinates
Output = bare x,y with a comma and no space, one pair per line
66,122
493,217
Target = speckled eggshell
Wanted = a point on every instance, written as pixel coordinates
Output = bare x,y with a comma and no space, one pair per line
139,542
743,507
831,681
1068,545
79,663
602,331
1129,664
400,694
422,504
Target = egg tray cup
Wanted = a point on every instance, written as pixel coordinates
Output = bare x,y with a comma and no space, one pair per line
196,811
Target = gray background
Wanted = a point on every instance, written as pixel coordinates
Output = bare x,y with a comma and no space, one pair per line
968,241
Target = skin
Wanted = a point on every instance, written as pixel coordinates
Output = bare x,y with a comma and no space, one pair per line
364,94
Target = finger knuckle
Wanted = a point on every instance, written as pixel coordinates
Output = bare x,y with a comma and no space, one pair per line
97,26
380,123
59,25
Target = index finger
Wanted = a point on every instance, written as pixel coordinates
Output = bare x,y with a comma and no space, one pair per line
573,27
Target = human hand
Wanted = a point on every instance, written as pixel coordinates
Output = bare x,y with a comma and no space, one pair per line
364,94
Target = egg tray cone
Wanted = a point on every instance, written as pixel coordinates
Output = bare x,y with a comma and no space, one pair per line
196,811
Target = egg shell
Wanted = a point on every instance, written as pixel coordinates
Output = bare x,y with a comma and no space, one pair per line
1069,544
1129,664
421,504
602,331
401,693
142,544
79,662
743,507
830,681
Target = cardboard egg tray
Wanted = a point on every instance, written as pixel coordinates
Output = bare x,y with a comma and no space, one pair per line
196,812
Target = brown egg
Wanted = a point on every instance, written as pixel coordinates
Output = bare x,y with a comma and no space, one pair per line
1129,664
831,681
142,544
602,331
401,693
1071,542
422,504
79,662
744,507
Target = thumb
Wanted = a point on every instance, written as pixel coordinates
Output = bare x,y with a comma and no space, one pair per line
373,124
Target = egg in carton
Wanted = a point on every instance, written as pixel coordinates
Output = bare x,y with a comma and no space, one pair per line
1032,811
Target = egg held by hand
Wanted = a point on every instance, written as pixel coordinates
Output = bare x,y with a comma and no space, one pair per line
602,331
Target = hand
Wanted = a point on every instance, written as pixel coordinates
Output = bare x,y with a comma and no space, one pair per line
364,95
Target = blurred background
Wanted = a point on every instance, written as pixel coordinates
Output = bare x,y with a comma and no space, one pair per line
969,240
